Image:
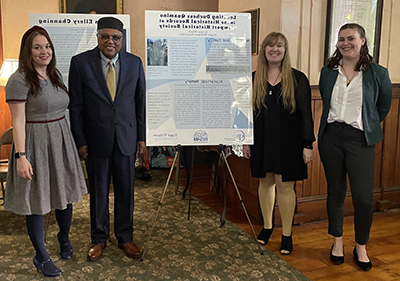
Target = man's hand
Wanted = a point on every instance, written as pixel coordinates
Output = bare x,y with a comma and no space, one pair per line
141,147
83,152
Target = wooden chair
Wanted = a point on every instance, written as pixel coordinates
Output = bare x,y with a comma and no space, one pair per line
5,139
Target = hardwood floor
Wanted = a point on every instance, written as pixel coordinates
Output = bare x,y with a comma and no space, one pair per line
312,243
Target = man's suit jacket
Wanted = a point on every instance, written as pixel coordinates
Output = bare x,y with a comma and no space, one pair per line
95,118
377,98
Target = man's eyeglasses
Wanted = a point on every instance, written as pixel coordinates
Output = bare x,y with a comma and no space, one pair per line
106,37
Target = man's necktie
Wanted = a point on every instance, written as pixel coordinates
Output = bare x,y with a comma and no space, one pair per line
111,80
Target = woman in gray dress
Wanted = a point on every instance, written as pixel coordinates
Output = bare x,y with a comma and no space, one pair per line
44,171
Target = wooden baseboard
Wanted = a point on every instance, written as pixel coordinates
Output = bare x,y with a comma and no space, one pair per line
313,208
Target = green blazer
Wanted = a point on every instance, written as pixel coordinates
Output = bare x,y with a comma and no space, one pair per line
377,98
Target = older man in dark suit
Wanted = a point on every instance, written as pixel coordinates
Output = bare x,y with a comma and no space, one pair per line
107,109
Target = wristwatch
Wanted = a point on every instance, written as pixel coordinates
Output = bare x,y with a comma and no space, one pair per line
19,154
309,147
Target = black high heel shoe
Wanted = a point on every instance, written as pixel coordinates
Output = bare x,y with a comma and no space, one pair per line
47,267
66,251
363,265
337,259
264,236
286,245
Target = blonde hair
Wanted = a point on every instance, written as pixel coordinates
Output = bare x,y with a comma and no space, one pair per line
261,75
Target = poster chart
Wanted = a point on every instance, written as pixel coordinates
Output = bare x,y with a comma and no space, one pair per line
72,34
198,78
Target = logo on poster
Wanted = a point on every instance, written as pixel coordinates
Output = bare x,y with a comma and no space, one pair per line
239,136
200,136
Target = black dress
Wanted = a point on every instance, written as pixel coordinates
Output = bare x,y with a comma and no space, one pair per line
280,136
271,160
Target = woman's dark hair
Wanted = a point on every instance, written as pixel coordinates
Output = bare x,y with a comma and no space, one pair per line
365,58
26,65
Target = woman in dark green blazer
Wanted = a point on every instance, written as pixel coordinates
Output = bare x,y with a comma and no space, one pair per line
356,95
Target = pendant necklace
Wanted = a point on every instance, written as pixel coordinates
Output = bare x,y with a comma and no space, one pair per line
276,79
347,77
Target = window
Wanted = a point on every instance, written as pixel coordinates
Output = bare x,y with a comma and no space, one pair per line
367,13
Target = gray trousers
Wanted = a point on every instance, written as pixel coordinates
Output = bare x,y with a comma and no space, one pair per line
344,151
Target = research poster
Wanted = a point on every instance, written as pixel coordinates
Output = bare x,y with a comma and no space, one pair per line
198,78
72,34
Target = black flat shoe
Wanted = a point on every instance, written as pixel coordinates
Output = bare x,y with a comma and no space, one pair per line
286,245
337,259
363,265
264,236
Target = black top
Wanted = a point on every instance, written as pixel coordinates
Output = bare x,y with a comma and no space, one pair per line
280,136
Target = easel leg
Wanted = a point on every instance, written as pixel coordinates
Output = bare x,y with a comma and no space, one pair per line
191,182
240,199
178,164
222,183
160,202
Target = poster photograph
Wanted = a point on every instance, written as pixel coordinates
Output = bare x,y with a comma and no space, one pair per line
198,78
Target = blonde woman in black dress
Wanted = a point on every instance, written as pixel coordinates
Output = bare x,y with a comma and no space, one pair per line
283,134
44,171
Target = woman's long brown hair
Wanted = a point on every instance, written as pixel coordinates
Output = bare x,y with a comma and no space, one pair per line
26,65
